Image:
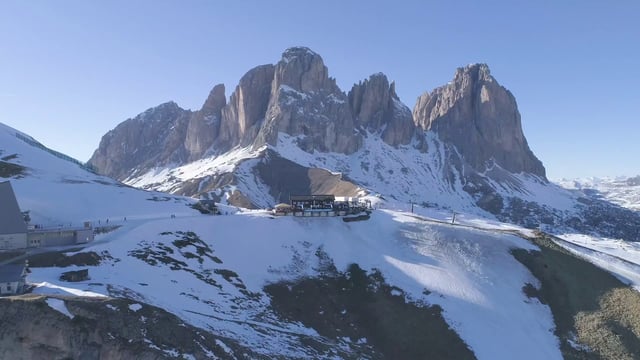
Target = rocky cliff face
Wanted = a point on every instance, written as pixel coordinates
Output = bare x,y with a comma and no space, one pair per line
153,138
481,119
308,104
376,107
204,125
245,112
101,329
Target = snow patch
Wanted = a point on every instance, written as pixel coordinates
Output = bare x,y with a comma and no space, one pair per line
47,288
59,306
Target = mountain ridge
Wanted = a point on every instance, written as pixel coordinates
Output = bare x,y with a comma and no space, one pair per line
297,97
461,148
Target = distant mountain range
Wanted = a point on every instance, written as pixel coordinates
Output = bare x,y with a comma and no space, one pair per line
623,190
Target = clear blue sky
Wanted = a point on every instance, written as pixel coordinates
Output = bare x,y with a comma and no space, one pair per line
72,70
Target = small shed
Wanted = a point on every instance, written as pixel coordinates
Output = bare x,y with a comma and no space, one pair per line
75,276
13,278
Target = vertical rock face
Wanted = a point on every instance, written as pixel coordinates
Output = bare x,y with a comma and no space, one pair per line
481,119
242,117
308,104
153,138
376,107
204,126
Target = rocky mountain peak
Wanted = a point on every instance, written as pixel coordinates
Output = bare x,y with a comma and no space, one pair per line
161,112
303,70
154,137
481,119
306,103
296,52
376,107
216,99
476,72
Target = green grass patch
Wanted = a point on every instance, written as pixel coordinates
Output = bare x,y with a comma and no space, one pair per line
590,306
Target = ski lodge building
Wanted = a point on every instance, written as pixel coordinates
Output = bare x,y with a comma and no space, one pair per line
15,234
320,206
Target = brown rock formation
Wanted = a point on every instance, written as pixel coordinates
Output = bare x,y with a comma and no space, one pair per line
305,102
376,107
204,126
242,117
481,119
153,138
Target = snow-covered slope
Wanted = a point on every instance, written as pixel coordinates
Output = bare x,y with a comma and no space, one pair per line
620,257
469,272
400,173
624,191
59,191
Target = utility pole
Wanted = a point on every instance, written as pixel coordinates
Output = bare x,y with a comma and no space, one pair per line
453,220
412,206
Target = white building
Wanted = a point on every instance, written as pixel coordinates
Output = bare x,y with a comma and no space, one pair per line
13,229
14,233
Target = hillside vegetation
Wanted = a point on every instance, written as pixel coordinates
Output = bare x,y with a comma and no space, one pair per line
596,315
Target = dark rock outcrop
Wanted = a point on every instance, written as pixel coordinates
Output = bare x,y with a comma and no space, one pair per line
285,178
481,119
102,329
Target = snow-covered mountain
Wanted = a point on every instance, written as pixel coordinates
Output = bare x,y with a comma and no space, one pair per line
246,285
623,190
288,129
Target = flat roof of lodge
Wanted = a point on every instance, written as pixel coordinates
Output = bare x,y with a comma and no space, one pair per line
311,197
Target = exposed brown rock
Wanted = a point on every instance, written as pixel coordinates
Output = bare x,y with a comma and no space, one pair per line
247,106
481,119
305,102
153,138
204,126
376,107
